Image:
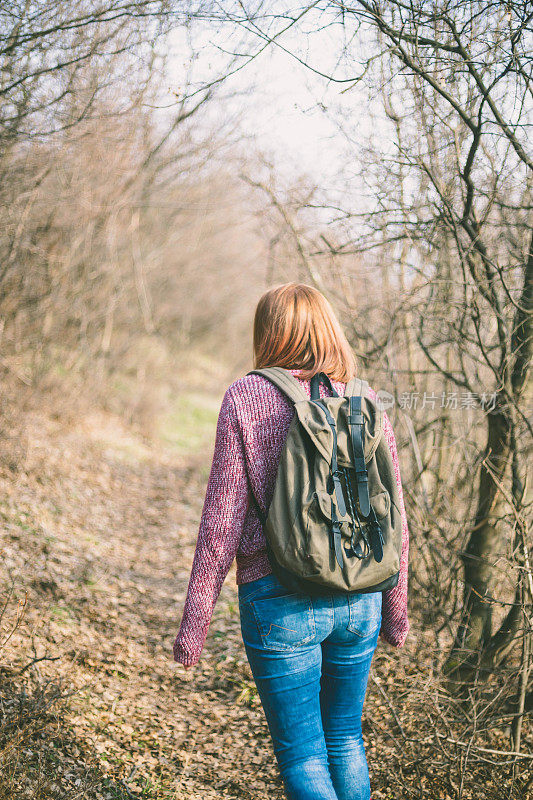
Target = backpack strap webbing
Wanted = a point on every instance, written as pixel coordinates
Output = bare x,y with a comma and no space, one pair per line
355,391
357,428
336,534
334,467
283,379
316,380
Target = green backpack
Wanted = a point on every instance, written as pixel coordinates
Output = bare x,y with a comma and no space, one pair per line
334,523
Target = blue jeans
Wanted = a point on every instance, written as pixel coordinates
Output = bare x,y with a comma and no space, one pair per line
310,658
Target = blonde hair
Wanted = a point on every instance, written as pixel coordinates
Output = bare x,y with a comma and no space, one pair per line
295,327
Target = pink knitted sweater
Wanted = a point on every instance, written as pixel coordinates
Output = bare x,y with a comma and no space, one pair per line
252,427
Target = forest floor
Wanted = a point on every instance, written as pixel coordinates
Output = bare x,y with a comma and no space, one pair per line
99,529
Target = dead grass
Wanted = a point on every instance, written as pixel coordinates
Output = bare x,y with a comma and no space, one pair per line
99,527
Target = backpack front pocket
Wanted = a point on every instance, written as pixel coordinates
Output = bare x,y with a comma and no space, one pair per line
285,622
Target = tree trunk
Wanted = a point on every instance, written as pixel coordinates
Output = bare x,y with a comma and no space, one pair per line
474,636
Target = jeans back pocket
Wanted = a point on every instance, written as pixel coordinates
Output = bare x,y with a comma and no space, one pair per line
285,622
365,613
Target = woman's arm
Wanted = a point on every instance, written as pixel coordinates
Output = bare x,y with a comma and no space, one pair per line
221,524
395,624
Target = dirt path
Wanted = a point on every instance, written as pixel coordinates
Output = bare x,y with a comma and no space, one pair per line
99,528
99,532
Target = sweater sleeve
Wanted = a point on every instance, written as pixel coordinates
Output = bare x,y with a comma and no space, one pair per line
221,524
395,624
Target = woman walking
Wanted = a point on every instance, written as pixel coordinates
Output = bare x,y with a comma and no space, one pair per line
312,692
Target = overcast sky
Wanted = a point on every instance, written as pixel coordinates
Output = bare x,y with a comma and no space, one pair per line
283,103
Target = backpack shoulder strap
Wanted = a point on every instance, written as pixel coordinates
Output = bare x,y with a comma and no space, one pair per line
356,386
283,379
